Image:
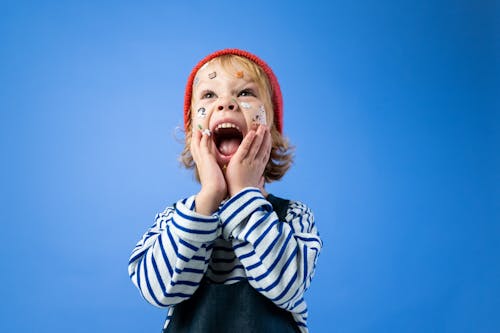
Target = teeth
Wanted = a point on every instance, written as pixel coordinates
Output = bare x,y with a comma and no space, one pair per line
227,125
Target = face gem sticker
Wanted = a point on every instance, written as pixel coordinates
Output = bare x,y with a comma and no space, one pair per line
201,113
205,131
212,75
260,117
239,74
196,80
245,105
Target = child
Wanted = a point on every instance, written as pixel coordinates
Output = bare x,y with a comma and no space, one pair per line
232,258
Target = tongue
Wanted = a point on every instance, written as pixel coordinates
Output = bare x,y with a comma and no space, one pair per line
229,146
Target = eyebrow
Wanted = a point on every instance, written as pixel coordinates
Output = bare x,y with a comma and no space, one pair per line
202,88
251,85
204,91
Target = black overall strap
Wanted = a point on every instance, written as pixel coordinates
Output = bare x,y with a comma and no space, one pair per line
280,206
232,308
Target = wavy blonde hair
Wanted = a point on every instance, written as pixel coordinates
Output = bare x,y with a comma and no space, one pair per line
281,157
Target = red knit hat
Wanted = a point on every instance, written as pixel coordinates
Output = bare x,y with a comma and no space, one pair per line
276,97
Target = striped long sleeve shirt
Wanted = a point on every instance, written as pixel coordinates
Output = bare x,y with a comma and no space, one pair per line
244,239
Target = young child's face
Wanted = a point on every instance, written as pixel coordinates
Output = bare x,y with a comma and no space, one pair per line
228,103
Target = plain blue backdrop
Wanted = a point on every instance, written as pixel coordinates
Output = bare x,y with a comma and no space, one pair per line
392,107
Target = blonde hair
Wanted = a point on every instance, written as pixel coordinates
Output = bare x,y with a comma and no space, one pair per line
281,157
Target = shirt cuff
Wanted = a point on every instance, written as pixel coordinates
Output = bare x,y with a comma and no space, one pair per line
238,208
190,225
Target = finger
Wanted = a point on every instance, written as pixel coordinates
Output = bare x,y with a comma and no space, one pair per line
244,147
195,143
257,143
265,147
204,141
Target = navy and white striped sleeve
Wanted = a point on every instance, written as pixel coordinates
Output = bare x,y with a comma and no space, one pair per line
279,256
170,260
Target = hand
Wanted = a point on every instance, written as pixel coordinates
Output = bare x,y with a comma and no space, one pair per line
213,185
246,168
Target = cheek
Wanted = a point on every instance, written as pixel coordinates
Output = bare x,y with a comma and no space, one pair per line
255,113
258,115
261,116
201,115
248,110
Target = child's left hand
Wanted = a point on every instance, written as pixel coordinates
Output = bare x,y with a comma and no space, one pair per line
247,166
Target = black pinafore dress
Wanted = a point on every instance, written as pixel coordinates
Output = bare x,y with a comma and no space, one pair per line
232,308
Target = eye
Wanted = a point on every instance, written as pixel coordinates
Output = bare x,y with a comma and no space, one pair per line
247,92
207,94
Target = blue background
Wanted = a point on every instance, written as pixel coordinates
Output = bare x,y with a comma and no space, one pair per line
390,104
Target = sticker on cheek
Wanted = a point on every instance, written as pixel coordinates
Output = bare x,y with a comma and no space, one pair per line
212,75
203,131
201,113
260,117
245,105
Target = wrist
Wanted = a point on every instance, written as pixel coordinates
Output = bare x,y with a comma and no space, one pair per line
239,208
207,202
238,189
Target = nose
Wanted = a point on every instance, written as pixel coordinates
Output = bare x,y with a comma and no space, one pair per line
227,104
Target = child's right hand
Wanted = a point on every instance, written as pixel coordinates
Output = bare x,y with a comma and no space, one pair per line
213,185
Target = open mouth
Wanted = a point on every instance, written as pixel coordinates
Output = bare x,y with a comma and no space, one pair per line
227,138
